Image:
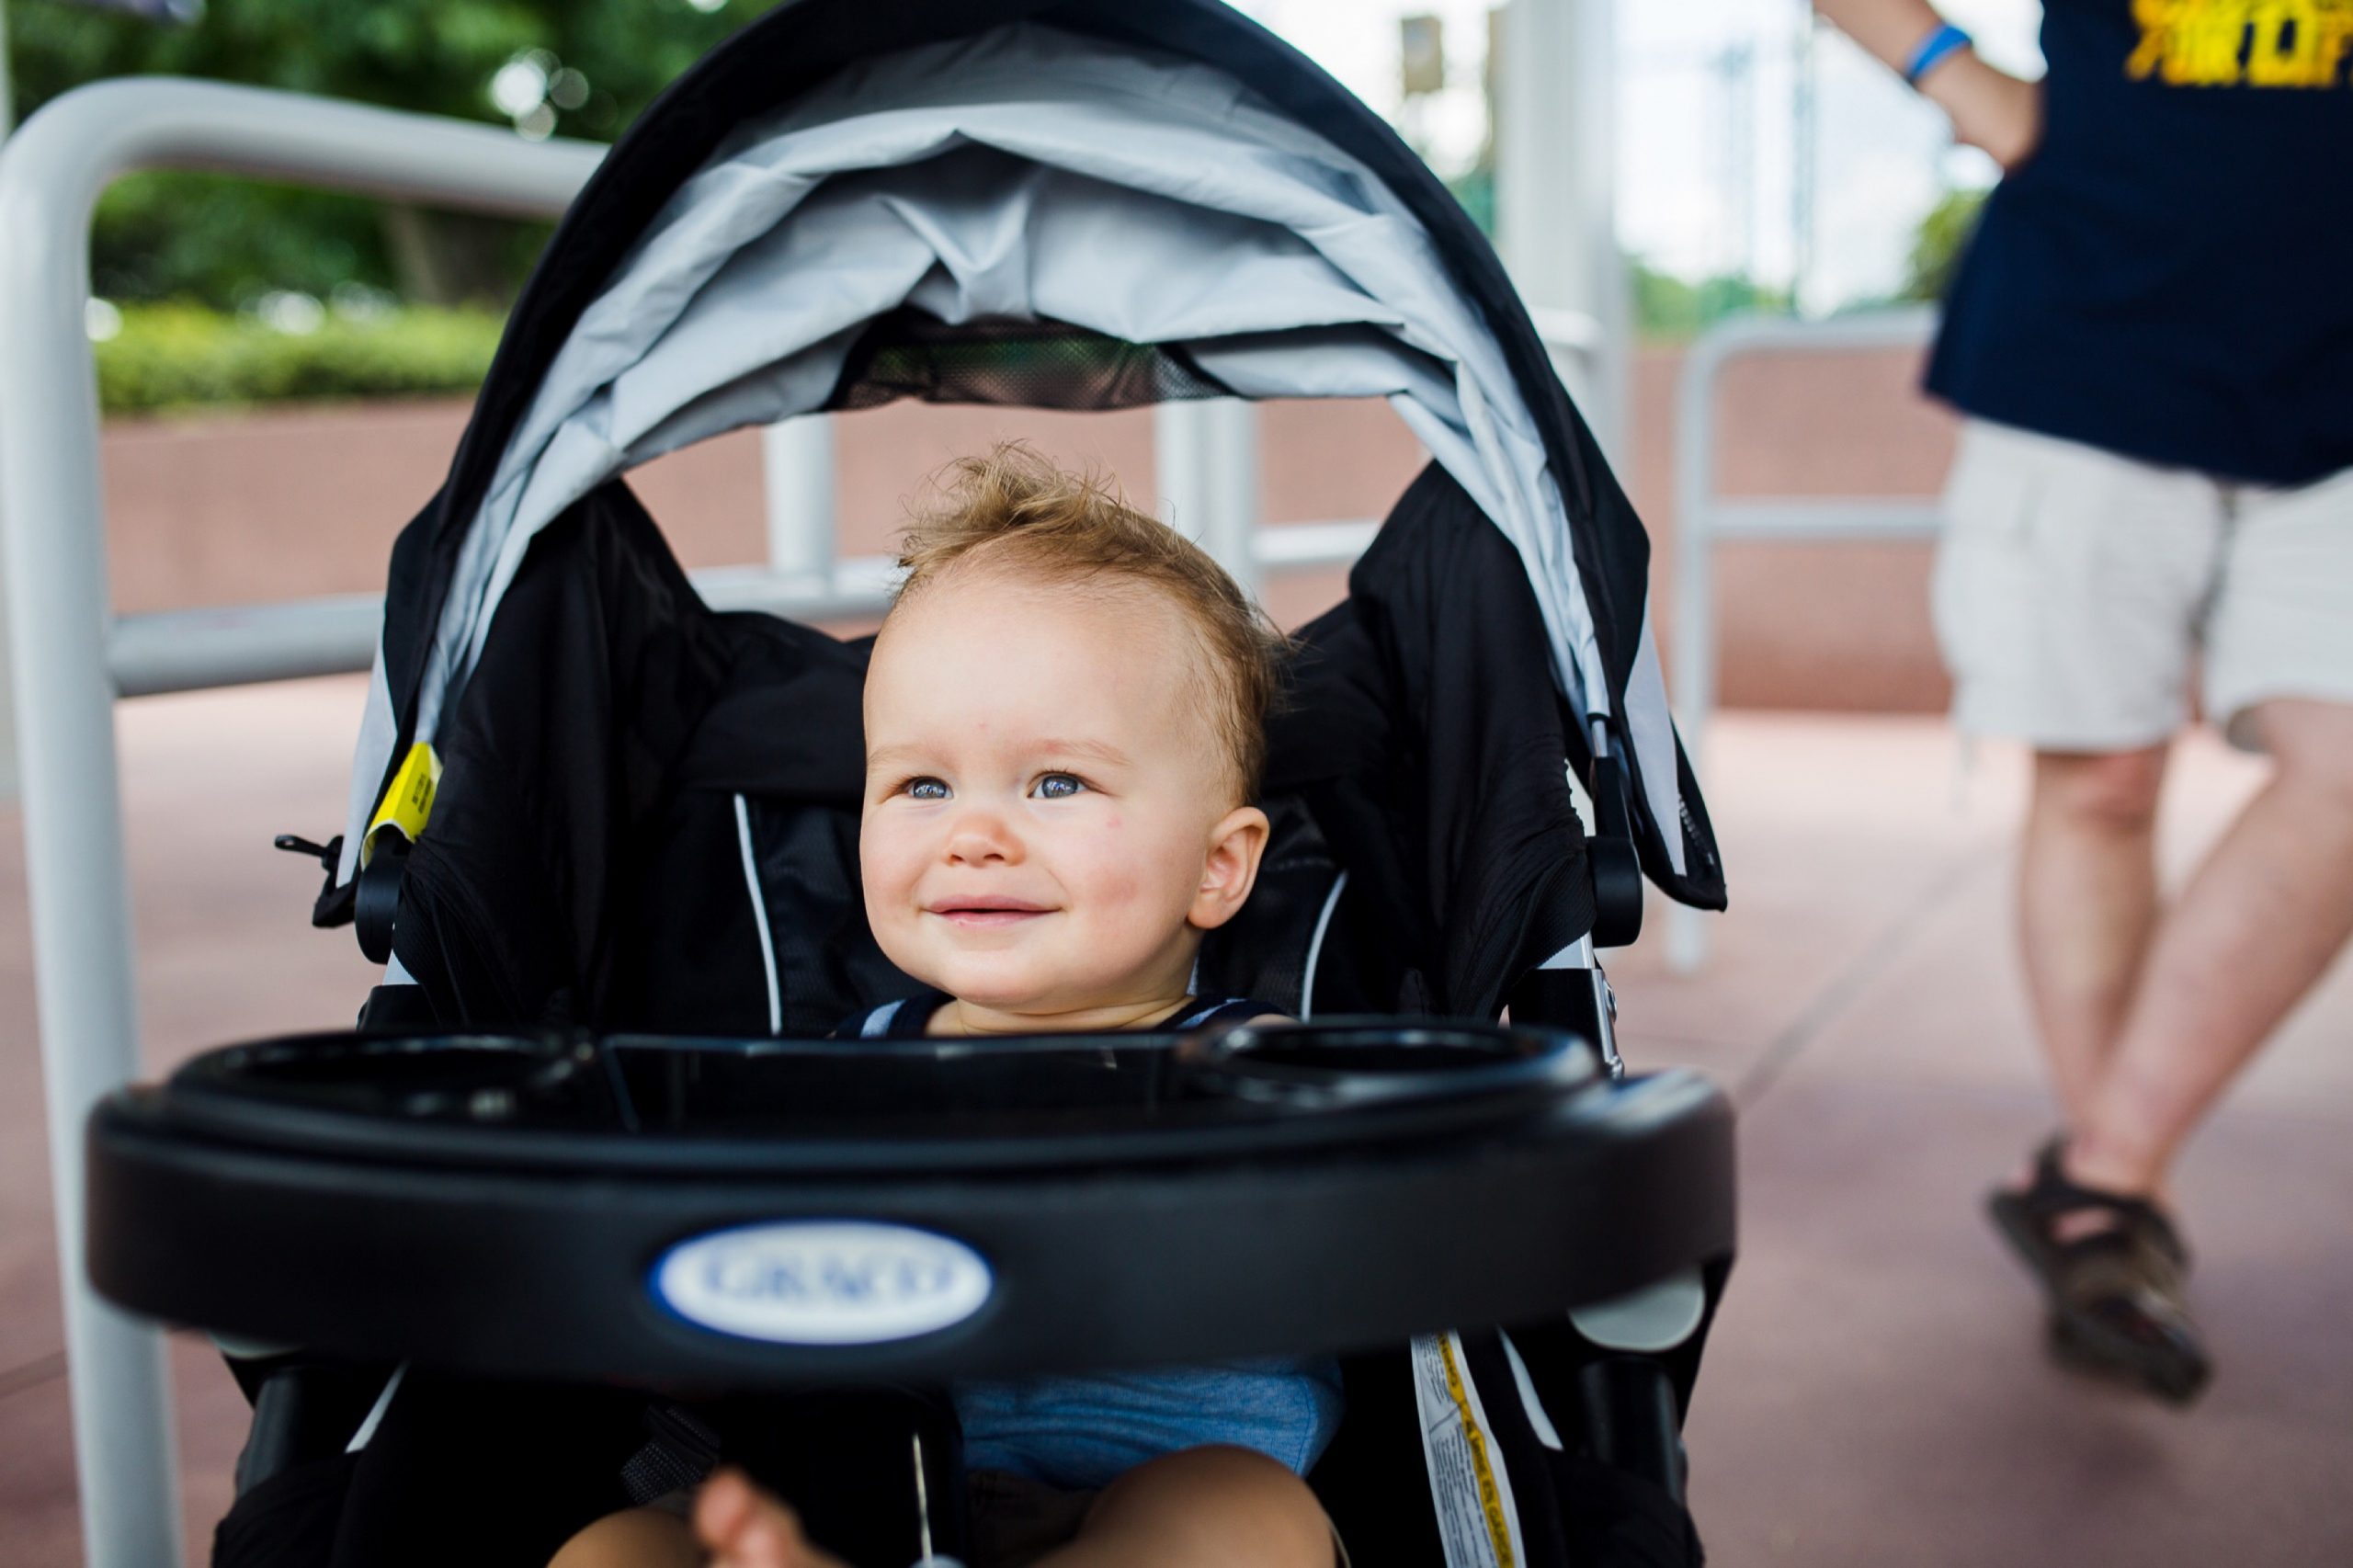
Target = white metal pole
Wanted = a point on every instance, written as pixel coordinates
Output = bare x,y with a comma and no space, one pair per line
1205,458
77,881
1233,522
52,519
1703,518
7,698
797,464
1556,189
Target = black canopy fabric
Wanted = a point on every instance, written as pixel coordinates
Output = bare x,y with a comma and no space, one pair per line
818,45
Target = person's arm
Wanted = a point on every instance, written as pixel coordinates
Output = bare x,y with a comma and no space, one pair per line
1990,108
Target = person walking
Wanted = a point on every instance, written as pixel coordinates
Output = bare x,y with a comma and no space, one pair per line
2150,340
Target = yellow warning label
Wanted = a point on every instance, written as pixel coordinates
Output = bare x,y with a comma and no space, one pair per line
1491,1502
409,801
1470,1483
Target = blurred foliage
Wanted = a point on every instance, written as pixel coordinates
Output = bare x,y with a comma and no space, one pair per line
178,356
1936,248
1673,310
186,237
1475,188
222,241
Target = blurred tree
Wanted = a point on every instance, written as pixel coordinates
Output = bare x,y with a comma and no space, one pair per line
1672,309
1475,188
578,67
1936,248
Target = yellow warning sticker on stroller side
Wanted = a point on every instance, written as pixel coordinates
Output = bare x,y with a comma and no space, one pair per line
1477,1521
407,804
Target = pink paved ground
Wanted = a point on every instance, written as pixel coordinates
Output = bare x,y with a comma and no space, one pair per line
1874,1393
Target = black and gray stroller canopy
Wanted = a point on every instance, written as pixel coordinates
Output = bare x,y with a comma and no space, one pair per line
852,202
647,812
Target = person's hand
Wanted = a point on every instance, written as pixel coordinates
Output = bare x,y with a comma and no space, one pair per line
1991,109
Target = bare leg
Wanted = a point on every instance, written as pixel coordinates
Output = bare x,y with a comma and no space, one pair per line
2258,923
635,1538
1207,1508
2088,904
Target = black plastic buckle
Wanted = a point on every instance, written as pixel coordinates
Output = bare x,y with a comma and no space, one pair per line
378,896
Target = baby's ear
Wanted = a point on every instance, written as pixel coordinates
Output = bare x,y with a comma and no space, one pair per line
1231,868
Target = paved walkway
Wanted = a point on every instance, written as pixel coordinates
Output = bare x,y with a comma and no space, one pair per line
1874,1393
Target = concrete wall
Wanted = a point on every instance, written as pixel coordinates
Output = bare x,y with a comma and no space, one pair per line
229,509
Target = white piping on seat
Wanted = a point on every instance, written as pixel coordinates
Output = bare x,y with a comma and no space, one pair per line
759,914
1315,946
1538,1417
376,1411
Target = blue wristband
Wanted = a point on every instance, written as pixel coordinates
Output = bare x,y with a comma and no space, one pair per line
1932,50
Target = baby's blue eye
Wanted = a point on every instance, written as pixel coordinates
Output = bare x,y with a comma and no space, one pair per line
1058,787
927,789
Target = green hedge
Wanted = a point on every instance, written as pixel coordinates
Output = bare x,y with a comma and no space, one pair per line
168,357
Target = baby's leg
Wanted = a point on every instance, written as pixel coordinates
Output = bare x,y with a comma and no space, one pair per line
634,1538
1209,1507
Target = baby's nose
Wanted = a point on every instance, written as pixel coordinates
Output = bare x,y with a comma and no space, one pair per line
980,836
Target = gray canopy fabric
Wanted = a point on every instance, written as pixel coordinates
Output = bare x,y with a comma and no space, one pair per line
1026,174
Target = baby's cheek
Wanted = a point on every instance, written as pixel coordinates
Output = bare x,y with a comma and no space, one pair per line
1116,882
1144,875
887,873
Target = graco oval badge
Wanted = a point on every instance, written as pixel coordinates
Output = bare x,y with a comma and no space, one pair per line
823,1282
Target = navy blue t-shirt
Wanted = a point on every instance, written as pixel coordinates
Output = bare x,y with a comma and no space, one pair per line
2170,276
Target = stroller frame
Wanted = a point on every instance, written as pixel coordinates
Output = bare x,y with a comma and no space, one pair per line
73,659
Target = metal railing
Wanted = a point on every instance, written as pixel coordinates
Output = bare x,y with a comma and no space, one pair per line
72,658
1705,519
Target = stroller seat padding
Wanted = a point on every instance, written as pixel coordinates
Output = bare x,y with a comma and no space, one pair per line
648,814
677,1213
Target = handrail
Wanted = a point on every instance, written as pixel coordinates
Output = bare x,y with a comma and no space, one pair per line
64,647
1704,517
159,652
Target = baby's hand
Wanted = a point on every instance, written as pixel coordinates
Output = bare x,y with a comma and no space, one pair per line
745,1528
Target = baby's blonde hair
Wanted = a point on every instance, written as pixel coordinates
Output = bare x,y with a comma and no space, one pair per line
1037,520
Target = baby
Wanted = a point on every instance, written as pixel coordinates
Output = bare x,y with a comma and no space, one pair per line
1064,730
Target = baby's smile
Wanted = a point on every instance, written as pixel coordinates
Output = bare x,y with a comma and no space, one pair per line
986,912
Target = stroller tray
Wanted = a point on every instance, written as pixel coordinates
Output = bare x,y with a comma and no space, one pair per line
676,1212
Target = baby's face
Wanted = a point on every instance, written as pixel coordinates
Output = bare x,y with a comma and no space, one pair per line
1045,795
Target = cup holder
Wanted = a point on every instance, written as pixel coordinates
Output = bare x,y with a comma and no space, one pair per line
1347,1063
479,1078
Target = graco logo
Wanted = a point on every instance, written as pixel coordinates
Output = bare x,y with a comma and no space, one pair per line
823,1282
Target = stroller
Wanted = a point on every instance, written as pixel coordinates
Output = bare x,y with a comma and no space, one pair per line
585,803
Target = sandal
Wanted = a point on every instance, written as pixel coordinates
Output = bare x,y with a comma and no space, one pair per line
2116,1294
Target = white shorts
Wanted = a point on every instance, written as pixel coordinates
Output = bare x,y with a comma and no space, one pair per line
2076,591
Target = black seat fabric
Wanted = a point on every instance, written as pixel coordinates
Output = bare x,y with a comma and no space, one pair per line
628,771
649,820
